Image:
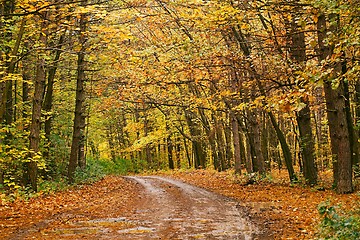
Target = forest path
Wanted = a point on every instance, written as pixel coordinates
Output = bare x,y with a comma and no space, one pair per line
175,210
136,207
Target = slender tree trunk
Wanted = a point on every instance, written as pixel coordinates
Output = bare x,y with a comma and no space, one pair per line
81,157
285,148
236,143
36,122
80,100
258,160
48,99
220,144
35,126
6,8
265,142
110,141
228,142
170,147
178,152
197,145
187,152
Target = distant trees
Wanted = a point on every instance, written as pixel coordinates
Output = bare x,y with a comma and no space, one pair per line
232,75
221,84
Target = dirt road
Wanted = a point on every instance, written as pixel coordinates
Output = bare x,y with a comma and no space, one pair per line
161,208
175,210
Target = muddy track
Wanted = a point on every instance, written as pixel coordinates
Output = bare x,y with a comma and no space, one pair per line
163,208
176,210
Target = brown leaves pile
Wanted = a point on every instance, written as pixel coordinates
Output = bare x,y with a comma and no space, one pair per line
109,197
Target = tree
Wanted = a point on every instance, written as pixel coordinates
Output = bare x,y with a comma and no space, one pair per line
336,108
79,126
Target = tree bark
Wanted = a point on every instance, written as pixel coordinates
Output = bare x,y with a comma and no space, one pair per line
170,152
336,113
79,101
236,143
298,54
48,99
36,122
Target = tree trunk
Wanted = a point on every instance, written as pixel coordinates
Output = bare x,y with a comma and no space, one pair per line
79,101
170,153
6,8
353,137
48,99
254,135
35,125
170,147
307,148
220,144
236,143
197,144
228,141
178,153
36,122
307,145
285,148
81,157
336,113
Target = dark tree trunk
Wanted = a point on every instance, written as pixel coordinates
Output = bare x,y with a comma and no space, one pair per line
307,148
336,113
48,99
178,153
6,9
307,145
255,142
79,101
170,152
81,157
285,148
353,136
36,123
197,143
220,144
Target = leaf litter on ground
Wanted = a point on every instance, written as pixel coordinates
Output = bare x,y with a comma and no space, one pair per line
285,210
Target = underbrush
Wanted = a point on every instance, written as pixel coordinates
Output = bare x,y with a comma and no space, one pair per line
95,170
338,224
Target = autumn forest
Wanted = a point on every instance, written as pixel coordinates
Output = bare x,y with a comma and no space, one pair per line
165,84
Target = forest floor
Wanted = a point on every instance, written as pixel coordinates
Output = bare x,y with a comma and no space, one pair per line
132,208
